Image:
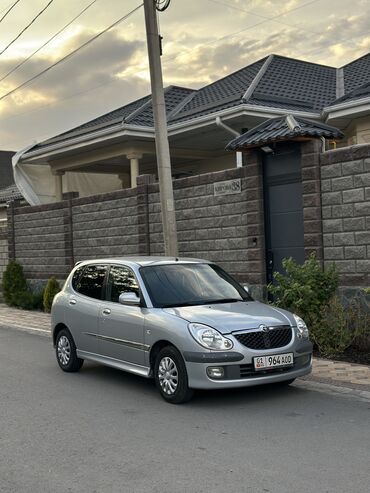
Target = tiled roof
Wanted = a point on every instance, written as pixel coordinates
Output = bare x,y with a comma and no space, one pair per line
356,73
174,96
138,112
273,82
297,84
283,128
10,193
221,94
359,93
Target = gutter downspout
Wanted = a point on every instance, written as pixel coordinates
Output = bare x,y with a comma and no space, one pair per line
221,124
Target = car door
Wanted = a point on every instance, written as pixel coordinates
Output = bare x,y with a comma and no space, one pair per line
84,305
121,326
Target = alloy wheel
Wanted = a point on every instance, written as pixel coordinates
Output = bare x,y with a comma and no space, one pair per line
168,375
64,350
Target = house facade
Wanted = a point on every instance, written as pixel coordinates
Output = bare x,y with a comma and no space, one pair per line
295,177
109,152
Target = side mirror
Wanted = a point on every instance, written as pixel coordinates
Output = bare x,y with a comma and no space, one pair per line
129,299
246,288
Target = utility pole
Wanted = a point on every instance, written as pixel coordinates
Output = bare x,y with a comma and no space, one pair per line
160,124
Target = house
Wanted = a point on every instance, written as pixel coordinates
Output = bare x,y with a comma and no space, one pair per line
109,152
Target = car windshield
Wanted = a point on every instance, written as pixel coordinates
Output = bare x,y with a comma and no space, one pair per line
171,285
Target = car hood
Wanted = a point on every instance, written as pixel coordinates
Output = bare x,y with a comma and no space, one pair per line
230,317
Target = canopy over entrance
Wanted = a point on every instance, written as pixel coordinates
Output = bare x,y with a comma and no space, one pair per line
281,129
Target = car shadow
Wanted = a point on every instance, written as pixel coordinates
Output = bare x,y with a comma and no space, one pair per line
112,377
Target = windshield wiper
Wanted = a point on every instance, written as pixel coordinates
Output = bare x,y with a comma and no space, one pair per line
223,300
189,303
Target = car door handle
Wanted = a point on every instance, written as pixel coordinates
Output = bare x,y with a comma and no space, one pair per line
106,311
72,301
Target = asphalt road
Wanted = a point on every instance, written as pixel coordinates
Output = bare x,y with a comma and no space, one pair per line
106,431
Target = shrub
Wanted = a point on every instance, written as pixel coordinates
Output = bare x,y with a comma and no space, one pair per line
52,288
14,283
304,289
28,300
16,291
338,327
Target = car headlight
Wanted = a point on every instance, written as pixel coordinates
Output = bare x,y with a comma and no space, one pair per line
209,338
302,330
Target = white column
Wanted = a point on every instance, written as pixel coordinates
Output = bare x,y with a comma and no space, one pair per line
134,167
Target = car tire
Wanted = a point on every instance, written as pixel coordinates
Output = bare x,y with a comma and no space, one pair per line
65,350
171,377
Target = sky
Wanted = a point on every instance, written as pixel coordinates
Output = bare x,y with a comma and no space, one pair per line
203,40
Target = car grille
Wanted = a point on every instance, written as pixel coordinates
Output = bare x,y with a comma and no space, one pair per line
248,371
257,339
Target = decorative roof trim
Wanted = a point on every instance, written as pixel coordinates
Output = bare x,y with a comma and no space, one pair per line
282,129
181,105
248,93
340,83
292,122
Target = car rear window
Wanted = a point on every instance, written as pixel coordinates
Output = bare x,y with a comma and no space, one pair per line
91,281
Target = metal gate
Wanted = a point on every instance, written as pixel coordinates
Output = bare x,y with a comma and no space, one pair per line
283,207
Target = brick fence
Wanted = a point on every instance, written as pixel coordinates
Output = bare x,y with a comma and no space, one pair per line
228,229
47,240
3,250
345,189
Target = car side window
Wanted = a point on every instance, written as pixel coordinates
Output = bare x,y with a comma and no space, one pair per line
91,281
121,280
76,277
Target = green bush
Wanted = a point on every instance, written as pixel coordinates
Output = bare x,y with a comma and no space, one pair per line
28,300
304,289
52,288
16,291
338,327
14,283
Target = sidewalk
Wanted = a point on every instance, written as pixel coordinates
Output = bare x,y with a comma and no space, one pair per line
325,371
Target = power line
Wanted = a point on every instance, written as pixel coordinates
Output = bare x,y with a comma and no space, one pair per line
9,10
48,41
28,25
72,53
268,19
235,33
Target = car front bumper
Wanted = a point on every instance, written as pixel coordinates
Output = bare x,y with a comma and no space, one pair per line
239,369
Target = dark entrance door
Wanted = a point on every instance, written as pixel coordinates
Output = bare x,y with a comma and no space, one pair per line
283,207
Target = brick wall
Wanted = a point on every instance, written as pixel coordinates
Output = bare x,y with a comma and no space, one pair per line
226,229
345,185
39,240
3,250
47,240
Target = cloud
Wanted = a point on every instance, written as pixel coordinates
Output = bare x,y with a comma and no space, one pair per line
113,70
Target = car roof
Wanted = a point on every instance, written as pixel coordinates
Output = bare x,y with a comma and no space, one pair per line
142,261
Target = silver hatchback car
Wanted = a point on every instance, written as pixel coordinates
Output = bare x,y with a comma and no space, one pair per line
184,322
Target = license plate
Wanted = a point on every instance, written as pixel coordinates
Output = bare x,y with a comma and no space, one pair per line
273,361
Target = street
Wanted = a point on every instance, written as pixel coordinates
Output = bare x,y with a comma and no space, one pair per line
105,431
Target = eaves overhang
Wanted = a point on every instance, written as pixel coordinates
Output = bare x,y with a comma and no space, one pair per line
346,109
78,143
234,112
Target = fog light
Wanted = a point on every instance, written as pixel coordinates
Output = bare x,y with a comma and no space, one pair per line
215,372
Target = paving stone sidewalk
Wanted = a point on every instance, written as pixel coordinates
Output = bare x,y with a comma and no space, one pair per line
328,371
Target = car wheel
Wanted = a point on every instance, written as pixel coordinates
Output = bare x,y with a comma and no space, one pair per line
66,354
171,377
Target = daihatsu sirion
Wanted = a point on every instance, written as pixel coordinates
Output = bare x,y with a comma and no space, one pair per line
184,322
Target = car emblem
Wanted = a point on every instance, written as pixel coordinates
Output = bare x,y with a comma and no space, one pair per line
264,328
